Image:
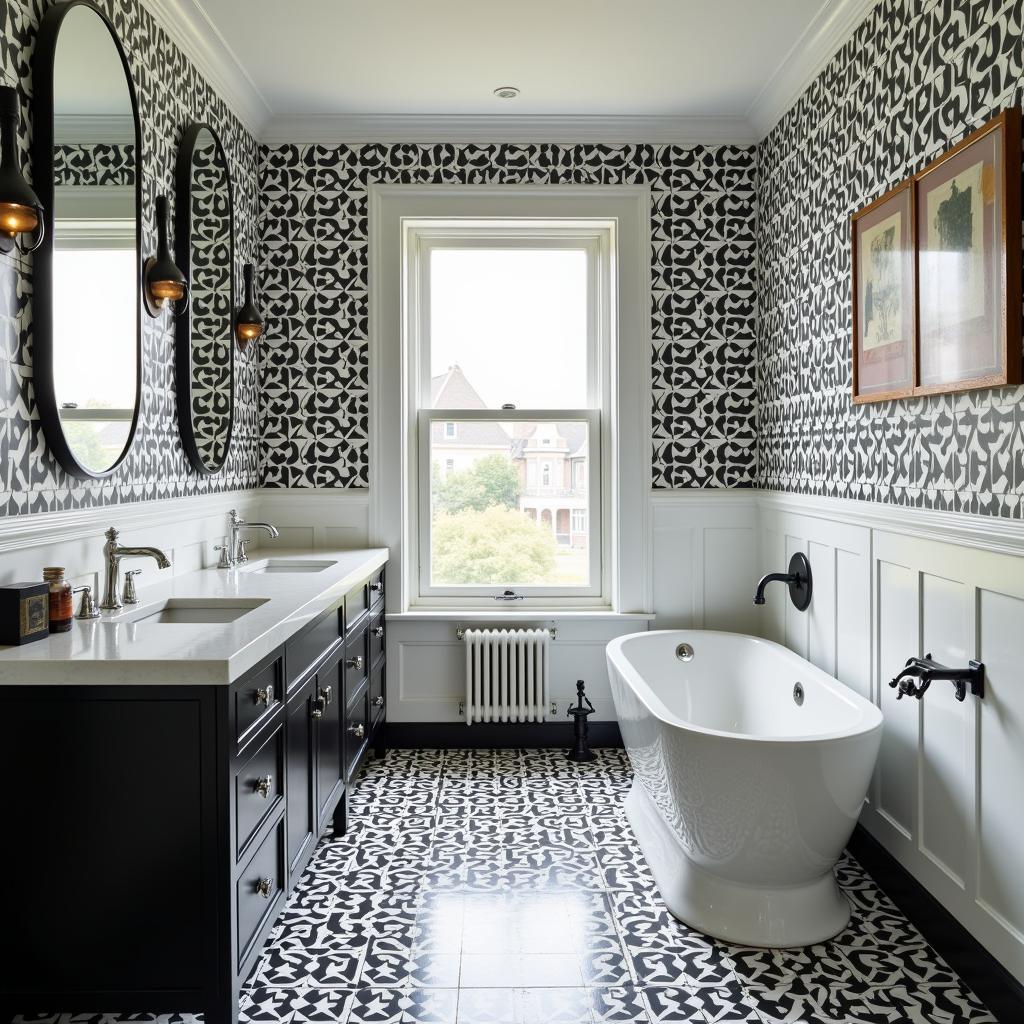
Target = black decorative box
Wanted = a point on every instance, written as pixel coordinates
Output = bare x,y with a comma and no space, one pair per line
24,612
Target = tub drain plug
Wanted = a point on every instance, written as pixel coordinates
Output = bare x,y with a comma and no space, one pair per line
798,694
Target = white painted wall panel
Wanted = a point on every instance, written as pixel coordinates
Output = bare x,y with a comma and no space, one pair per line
1001,762
945,730
898,639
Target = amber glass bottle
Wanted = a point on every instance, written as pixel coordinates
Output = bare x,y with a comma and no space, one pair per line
60,599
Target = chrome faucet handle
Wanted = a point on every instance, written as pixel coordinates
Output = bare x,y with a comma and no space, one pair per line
225,556
86,607
241,558
129,595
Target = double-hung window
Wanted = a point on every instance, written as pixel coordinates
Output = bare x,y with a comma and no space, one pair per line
507,347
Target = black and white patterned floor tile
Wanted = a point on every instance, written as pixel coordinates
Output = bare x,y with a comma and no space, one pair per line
506,887
485,887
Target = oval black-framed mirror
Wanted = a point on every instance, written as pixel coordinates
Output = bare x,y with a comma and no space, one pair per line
204,335
87,168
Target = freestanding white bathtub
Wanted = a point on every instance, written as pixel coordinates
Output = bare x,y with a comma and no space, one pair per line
750,769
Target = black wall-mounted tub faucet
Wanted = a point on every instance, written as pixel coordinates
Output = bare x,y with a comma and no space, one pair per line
798,579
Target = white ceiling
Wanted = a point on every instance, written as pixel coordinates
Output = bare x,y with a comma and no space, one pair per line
585,59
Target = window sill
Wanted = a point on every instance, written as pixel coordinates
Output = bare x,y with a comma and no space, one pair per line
520,615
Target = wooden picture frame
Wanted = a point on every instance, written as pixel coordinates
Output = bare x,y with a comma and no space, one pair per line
964,273
884,297
968,220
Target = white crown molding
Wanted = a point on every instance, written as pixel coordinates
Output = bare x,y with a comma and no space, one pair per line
93,129
460,128
191,30
833,25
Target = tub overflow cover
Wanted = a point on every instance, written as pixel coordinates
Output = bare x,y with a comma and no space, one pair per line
684,652
798,694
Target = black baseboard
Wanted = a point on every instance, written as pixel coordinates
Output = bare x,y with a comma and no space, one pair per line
1001,993
496,735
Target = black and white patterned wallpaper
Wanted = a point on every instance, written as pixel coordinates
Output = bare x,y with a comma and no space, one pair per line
915,78
314,288
171,94
100,163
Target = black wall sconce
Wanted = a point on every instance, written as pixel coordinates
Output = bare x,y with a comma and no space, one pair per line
20,209
248,321
162,281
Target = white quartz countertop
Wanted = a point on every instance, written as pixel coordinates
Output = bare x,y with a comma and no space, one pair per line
111,650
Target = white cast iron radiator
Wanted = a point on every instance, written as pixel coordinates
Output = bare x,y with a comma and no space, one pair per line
506,675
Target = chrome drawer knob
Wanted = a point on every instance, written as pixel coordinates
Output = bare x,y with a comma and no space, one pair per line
356,663
263,785
265,695
327,693
319,706
264,887
377,587
378,631
359,731
378,702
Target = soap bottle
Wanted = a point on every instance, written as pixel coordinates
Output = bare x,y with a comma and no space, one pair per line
60,599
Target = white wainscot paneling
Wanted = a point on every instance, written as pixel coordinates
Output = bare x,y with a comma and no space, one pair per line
947,791
185,529
321,520
427,666
704,557
834,633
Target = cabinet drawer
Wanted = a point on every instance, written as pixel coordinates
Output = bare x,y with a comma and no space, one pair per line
378,697
377,589
259,890
308,647
377,638
356,604
357,731
356,663
257,697
259,788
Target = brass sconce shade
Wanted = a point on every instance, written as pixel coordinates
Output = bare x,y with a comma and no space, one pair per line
163,282
248,321
20,209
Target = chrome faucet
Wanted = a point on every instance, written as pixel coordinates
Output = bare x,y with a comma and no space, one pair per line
236,543
112,555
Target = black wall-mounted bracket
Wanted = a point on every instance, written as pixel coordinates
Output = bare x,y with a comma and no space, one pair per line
926,671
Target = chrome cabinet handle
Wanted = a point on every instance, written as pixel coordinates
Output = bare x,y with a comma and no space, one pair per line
321,705
264,887
262,786
356,663
378,631
378,702
359,731
377,587
328,694
265,695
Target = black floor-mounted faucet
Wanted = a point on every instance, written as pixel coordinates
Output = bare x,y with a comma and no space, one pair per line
798,580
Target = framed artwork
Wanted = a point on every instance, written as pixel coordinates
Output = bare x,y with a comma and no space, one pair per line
968,218
884,301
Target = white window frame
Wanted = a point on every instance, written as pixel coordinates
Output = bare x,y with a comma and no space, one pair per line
423,237
431,595
392,434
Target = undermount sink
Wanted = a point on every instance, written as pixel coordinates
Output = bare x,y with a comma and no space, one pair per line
178,610
287,565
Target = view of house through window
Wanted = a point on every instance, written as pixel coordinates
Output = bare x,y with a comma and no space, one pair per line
510,496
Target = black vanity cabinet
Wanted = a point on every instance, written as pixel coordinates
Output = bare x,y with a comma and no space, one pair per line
154,831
